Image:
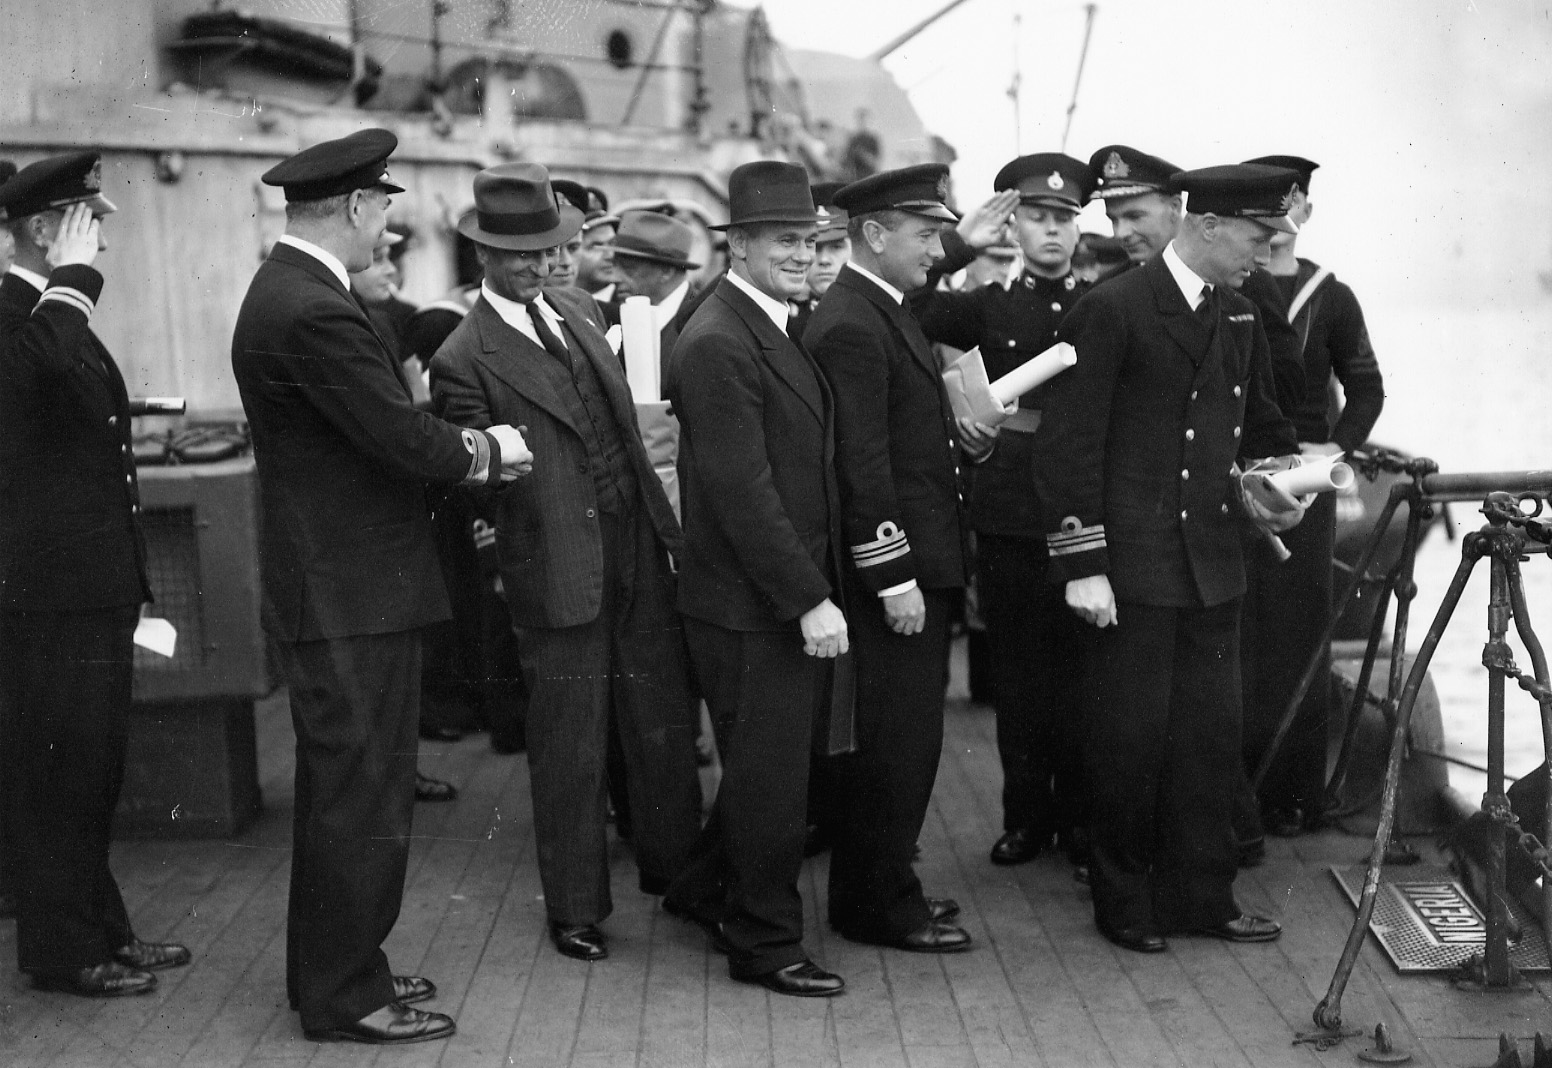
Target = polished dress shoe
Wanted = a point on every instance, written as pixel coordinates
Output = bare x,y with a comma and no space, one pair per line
429,789
1243,928
930,937
108,980
582,941
409,989
152,956
940,909
1136,939
805,979
702,920
1019,846
392,1025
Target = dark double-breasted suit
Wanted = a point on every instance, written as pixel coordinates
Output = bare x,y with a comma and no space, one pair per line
897,462
1038,647
72,579
349,576
589,588
762,527
1132,462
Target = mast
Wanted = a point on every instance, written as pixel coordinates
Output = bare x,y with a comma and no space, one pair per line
1088,30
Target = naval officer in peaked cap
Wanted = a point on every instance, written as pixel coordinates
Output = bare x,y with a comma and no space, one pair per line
1142,513
350,577
897,458
72,580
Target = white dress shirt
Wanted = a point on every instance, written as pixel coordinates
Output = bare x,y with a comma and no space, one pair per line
515,315
777,310
322,255
1192,285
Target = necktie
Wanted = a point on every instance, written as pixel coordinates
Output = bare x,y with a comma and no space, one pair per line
547,336
1207,310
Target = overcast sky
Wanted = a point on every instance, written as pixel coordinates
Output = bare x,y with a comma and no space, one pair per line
1429,117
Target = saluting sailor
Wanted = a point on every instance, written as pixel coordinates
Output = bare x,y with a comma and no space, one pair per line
1037,645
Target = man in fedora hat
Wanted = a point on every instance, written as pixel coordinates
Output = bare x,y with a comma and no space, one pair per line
758,585
350,577
652,260
584,546
72,580
907,561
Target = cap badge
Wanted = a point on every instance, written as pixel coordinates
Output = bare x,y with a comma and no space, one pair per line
824,215
93,178
1116,167
1287,203
943,188
1055,181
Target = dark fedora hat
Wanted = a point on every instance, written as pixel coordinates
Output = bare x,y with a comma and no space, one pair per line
768,190
516,208
651,235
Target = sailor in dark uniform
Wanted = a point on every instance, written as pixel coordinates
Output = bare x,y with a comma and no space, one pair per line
896,459
1132,462
1287,602
72,580
1037,645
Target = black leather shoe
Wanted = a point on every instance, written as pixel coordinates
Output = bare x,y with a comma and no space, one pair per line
1019,846
1244,928
409,989
1136,939
930,937
391,1025
805,979
429,789
152,956
109,980
942,908
705,922
581,942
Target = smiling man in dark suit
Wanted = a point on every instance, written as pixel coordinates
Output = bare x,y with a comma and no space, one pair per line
72,580
758,583
584,547
350,577
1132,463
897,461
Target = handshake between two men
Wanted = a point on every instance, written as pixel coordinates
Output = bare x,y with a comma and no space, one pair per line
516,460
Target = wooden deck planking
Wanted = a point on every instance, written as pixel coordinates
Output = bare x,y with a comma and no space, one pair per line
1039,988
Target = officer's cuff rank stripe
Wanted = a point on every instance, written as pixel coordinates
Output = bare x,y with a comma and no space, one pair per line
891,545
73,297
1074,537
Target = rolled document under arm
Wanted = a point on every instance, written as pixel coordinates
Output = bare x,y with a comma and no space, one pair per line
973,396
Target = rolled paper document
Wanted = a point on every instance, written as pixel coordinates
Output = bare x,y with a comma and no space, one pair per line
973,396
1026,376
641,340
157,406
1319,477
